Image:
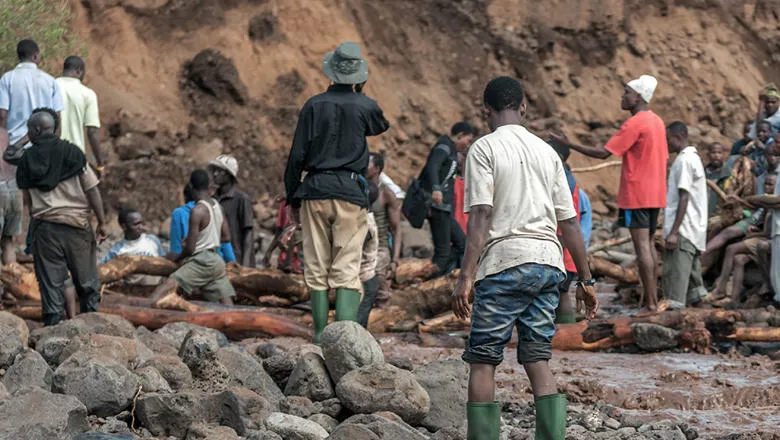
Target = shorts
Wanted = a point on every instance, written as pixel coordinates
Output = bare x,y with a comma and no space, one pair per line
205,271
10,209
646,218
752,245
525,297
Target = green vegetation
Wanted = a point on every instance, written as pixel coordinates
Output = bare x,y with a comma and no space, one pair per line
46,22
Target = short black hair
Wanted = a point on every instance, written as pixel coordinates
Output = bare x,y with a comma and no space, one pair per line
462,127
373,192
378,159
51,112
199,179
73,62
26,49
678,128
766,122
503,93
124,213
710,146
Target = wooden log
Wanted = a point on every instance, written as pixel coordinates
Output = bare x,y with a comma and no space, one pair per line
261,282
411,269
427,299
20,281
608,244
124,265
442,323
757,334
601,267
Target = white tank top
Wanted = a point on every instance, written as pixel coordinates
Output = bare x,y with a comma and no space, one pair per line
209,237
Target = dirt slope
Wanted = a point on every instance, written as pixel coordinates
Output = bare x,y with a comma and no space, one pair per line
166,110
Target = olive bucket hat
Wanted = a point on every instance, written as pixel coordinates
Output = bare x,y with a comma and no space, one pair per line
345,65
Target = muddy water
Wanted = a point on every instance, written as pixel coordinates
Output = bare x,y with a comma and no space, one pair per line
716,394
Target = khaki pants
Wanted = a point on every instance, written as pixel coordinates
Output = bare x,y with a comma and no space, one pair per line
682,281
333,235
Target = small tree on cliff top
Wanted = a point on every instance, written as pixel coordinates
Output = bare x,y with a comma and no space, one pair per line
45,21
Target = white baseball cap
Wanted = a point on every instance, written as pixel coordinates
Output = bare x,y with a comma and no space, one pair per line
227,163
644,85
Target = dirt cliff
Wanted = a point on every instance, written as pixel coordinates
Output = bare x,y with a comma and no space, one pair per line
180,81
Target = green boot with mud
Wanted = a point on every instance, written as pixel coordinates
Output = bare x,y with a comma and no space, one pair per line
320,304
484,420
347,304
551,417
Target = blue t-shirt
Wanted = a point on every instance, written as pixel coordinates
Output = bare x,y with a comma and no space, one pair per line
24,89
180,226
586,217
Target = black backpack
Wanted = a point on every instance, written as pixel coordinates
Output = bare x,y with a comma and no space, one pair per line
416,204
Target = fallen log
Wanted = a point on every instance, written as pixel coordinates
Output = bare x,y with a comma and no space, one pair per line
124,265
756,334
602,267
608,244
267,281
414,268
427,299
20,281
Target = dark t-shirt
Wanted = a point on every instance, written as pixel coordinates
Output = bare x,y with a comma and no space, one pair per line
237,206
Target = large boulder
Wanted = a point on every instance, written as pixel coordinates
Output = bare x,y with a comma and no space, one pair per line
176,332
352,432
254,408
122,350
18,323
310,379
247,372
3,392
159,344
447,385
654,337
29,370
280,366
202,431
172,414
295,428
51,347
33,413
383,387
199,352
103,385
96,323
11,344
385,428
326,421
299,406
172,369
152,381
346,346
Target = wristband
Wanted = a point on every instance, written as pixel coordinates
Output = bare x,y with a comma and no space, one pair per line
588,282
100,167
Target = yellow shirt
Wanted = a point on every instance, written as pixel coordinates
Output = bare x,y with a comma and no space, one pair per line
80,110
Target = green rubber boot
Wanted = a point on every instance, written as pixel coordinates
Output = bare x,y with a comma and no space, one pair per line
319,312
484,420
347,304
565,318
551,417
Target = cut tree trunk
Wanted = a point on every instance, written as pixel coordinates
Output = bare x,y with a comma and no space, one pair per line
411,269
125,265
20,281
757,334
602,267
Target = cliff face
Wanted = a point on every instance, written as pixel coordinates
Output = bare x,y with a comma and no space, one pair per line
180,81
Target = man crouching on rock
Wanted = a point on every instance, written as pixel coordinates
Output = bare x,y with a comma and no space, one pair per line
516,193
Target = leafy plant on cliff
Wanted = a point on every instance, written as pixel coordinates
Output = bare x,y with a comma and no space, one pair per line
45,21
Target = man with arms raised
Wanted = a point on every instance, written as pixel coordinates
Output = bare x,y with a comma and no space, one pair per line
513,240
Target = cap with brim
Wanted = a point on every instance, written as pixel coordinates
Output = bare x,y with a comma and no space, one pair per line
222,166
345,65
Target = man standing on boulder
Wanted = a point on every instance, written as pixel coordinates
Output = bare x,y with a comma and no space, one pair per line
641,142
514,242
331,201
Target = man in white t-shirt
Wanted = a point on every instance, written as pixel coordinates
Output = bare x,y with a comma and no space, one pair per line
517,195
136,242
685,221
80,109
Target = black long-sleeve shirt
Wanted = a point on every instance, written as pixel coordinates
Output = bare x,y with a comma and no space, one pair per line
439,171
330,145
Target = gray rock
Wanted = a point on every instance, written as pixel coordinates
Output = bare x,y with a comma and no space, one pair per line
97,435
201,431
254,408
310,379
51,347
263,435
384,428
172,414
346,346
143,353
352,432
448,434
247,372
172,370
3,392
115,426
198,348
11,344
383,387
57,417
152,381
298,406
280,366
295,428
611,423
268,349
97,323
592,420
159,344
664,430
122,350
29,370
103,385
326,421
177,331
401,362
447,385
331,407
18,323
654,337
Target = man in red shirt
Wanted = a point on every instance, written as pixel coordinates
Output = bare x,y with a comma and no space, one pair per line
641,142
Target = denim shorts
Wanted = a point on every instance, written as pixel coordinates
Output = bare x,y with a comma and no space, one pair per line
524,296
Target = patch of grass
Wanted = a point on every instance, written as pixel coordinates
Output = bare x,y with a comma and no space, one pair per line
45,21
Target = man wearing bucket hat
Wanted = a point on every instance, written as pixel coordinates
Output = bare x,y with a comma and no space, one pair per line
237,206
641,142
331,200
